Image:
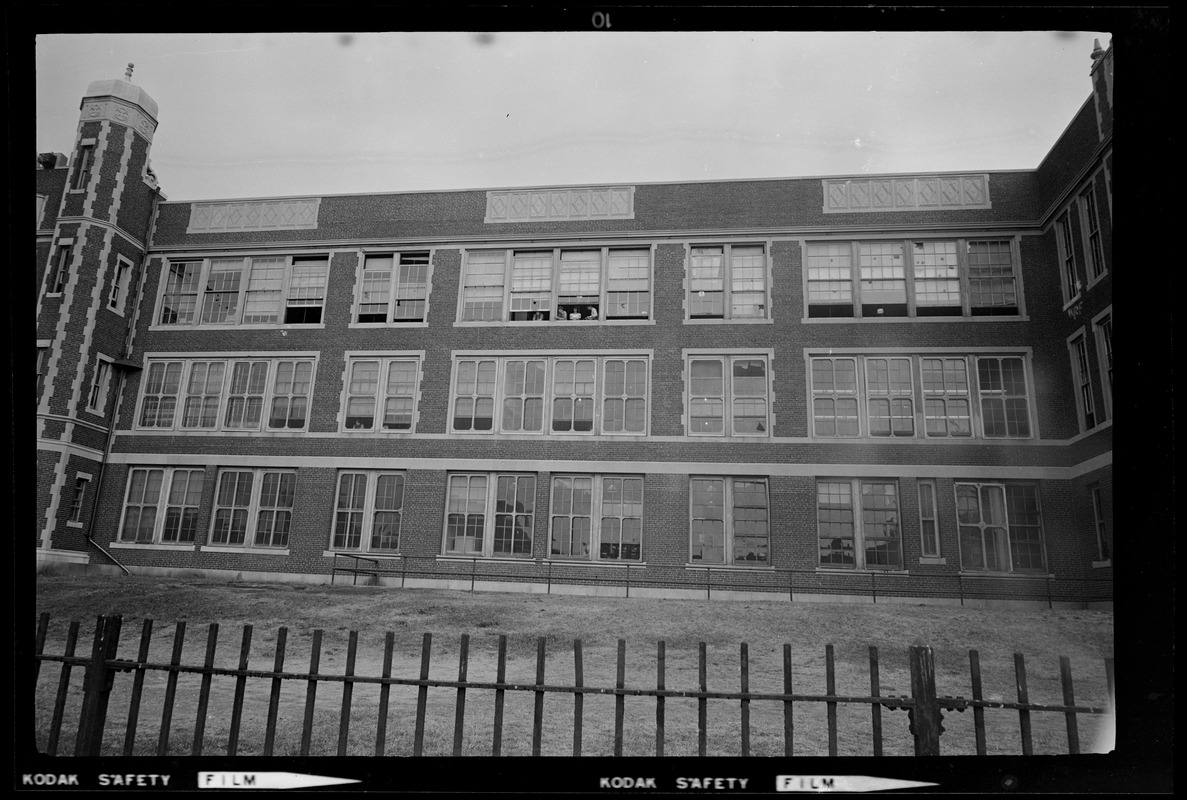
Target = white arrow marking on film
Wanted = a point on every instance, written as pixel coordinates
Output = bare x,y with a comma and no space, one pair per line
842,783
266,780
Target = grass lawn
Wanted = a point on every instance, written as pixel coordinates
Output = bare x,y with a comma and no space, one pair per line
1040,635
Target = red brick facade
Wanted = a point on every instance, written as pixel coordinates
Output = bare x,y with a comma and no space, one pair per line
1050,461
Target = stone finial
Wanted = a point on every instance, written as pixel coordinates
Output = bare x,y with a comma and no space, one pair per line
1097,52
128,73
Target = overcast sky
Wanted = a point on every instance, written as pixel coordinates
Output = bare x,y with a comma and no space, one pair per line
257,115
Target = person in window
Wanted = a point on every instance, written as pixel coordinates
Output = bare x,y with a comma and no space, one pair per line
574,314
591,312
538,315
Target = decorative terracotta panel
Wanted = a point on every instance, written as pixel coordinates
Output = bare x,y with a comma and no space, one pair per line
254,215
557,205
121,112
946,192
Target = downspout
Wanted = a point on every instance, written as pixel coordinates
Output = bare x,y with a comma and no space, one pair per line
123,367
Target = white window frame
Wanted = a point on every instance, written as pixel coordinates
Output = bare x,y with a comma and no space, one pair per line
1102,329
120,280
84,165
981,524
597,517
252,510
1077,347
928,486
393,297
1090,230
59,275
730,399
367,527
859,524
288,292
1099,526
730,523
549,396
848,270
82,481
169,474
1069,270
975,396
42,200
104,370
983,394
187,361
549,306
489,511
728,290
386,360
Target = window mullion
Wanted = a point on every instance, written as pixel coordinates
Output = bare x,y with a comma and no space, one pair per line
855,277
909,275
962,269
727,521
393,288
595,517
488,527
508,271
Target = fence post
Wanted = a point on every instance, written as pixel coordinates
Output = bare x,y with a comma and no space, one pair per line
97,686
925,716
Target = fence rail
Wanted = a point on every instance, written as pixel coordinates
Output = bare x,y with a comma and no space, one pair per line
924,706
776,581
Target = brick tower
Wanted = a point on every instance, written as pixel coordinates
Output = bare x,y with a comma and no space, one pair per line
95,212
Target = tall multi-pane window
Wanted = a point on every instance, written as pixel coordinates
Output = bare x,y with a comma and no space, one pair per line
628,284
729,521
1078,347
555,284
306,291
553,395
727,282
993,283
368,511
929,522
830,279
1104,350
883,279
482,291
858,524
61,272
97,399
936,278
234,395
119,285
1094,248
81,482
161,505
890,396
834,397
946,406
1005,403
86,162
945,278
1099,525
596,517
394,288
879,396
727,395
253,290
1000,527
490,515
180,300
1067,257
381,394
